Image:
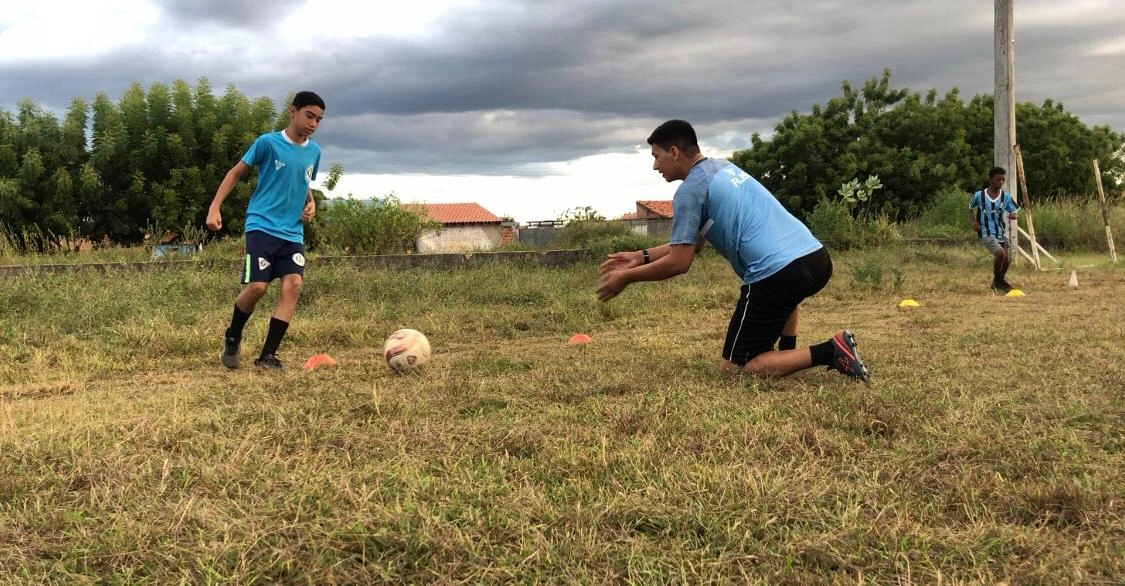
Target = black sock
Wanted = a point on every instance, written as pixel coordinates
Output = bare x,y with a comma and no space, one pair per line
822,353
237,322
787,342
273,338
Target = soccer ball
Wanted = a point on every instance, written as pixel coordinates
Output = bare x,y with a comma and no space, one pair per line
406,350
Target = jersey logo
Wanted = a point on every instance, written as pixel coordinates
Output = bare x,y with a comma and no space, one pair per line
277,165
309,174
263,264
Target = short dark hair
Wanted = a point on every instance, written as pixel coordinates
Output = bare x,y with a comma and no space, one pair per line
675,133
996,171
302,99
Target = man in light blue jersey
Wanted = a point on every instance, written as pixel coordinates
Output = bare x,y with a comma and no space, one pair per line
777,258
989,211
287,163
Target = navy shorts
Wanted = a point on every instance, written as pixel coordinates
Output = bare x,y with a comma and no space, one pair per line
765,306
269,257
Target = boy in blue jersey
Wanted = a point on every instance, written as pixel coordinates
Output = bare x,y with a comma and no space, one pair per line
777,258
287,163
987,213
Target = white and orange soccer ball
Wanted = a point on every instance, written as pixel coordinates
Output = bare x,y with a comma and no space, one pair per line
406,350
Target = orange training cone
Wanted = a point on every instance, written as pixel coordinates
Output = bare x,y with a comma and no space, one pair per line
579,339
318,360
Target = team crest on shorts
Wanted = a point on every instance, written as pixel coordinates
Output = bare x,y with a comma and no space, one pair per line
263,264
298,259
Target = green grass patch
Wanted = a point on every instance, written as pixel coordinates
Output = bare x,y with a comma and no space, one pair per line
989,447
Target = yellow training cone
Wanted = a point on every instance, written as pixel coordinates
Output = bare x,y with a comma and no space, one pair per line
909,303
1014,293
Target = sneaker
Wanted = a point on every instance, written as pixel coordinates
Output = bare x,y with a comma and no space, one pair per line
230,354
268,362
845,358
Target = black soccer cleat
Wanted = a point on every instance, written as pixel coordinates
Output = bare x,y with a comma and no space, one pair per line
845,357
1001,286
268,362
230,353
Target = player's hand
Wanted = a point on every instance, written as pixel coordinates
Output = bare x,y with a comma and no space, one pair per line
976,226
309,211
214,219
612,283
621,261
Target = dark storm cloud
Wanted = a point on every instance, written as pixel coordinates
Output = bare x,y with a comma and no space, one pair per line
232,13
508,84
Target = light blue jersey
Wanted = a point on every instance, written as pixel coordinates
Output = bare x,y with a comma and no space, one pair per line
743,220
991,212
286,171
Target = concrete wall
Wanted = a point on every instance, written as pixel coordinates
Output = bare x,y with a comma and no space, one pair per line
654,227
457,238
538,236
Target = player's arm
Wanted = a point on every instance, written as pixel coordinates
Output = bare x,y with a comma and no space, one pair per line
236,173
634,258
674,259
310,207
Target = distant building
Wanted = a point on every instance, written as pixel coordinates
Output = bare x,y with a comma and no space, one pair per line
653,209
652,217
465,227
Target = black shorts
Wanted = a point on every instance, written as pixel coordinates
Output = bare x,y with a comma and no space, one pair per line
269,257
765,306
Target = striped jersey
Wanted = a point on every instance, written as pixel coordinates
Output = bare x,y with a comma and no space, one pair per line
990,212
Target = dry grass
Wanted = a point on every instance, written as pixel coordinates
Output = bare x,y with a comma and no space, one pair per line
989,448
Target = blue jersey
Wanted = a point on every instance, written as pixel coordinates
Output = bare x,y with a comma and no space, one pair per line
286,171
991,212
740,218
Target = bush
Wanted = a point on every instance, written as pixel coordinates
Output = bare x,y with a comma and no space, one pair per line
947,214
832,222
603,237
582,232
1076,224
601,248
381,226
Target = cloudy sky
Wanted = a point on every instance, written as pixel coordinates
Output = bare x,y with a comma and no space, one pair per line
532,107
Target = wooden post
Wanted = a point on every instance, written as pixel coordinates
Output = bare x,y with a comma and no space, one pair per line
1027,206
1004,102
1105,212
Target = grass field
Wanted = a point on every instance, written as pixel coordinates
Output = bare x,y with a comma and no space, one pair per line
990,446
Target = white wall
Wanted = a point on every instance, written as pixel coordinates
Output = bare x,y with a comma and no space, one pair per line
461,239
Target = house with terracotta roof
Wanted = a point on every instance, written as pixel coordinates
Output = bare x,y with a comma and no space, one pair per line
465,227
651,218
654,209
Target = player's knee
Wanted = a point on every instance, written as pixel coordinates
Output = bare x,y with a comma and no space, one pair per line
291,286
755,367
728,367
257,289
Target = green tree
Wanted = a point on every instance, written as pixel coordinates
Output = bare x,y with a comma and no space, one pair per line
918,145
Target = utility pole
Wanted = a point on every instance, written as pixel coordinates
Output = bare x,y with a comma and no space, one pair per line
1004,104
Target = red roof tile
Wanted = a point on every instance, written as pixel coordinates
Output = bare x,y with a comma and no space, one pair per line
458,213
662,208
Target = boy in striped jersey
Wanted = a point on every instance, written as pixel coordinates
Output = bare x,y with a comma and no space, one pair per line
989,210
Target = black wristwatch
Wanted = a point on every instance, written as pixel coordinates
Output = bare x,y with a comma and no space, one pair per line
644,253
